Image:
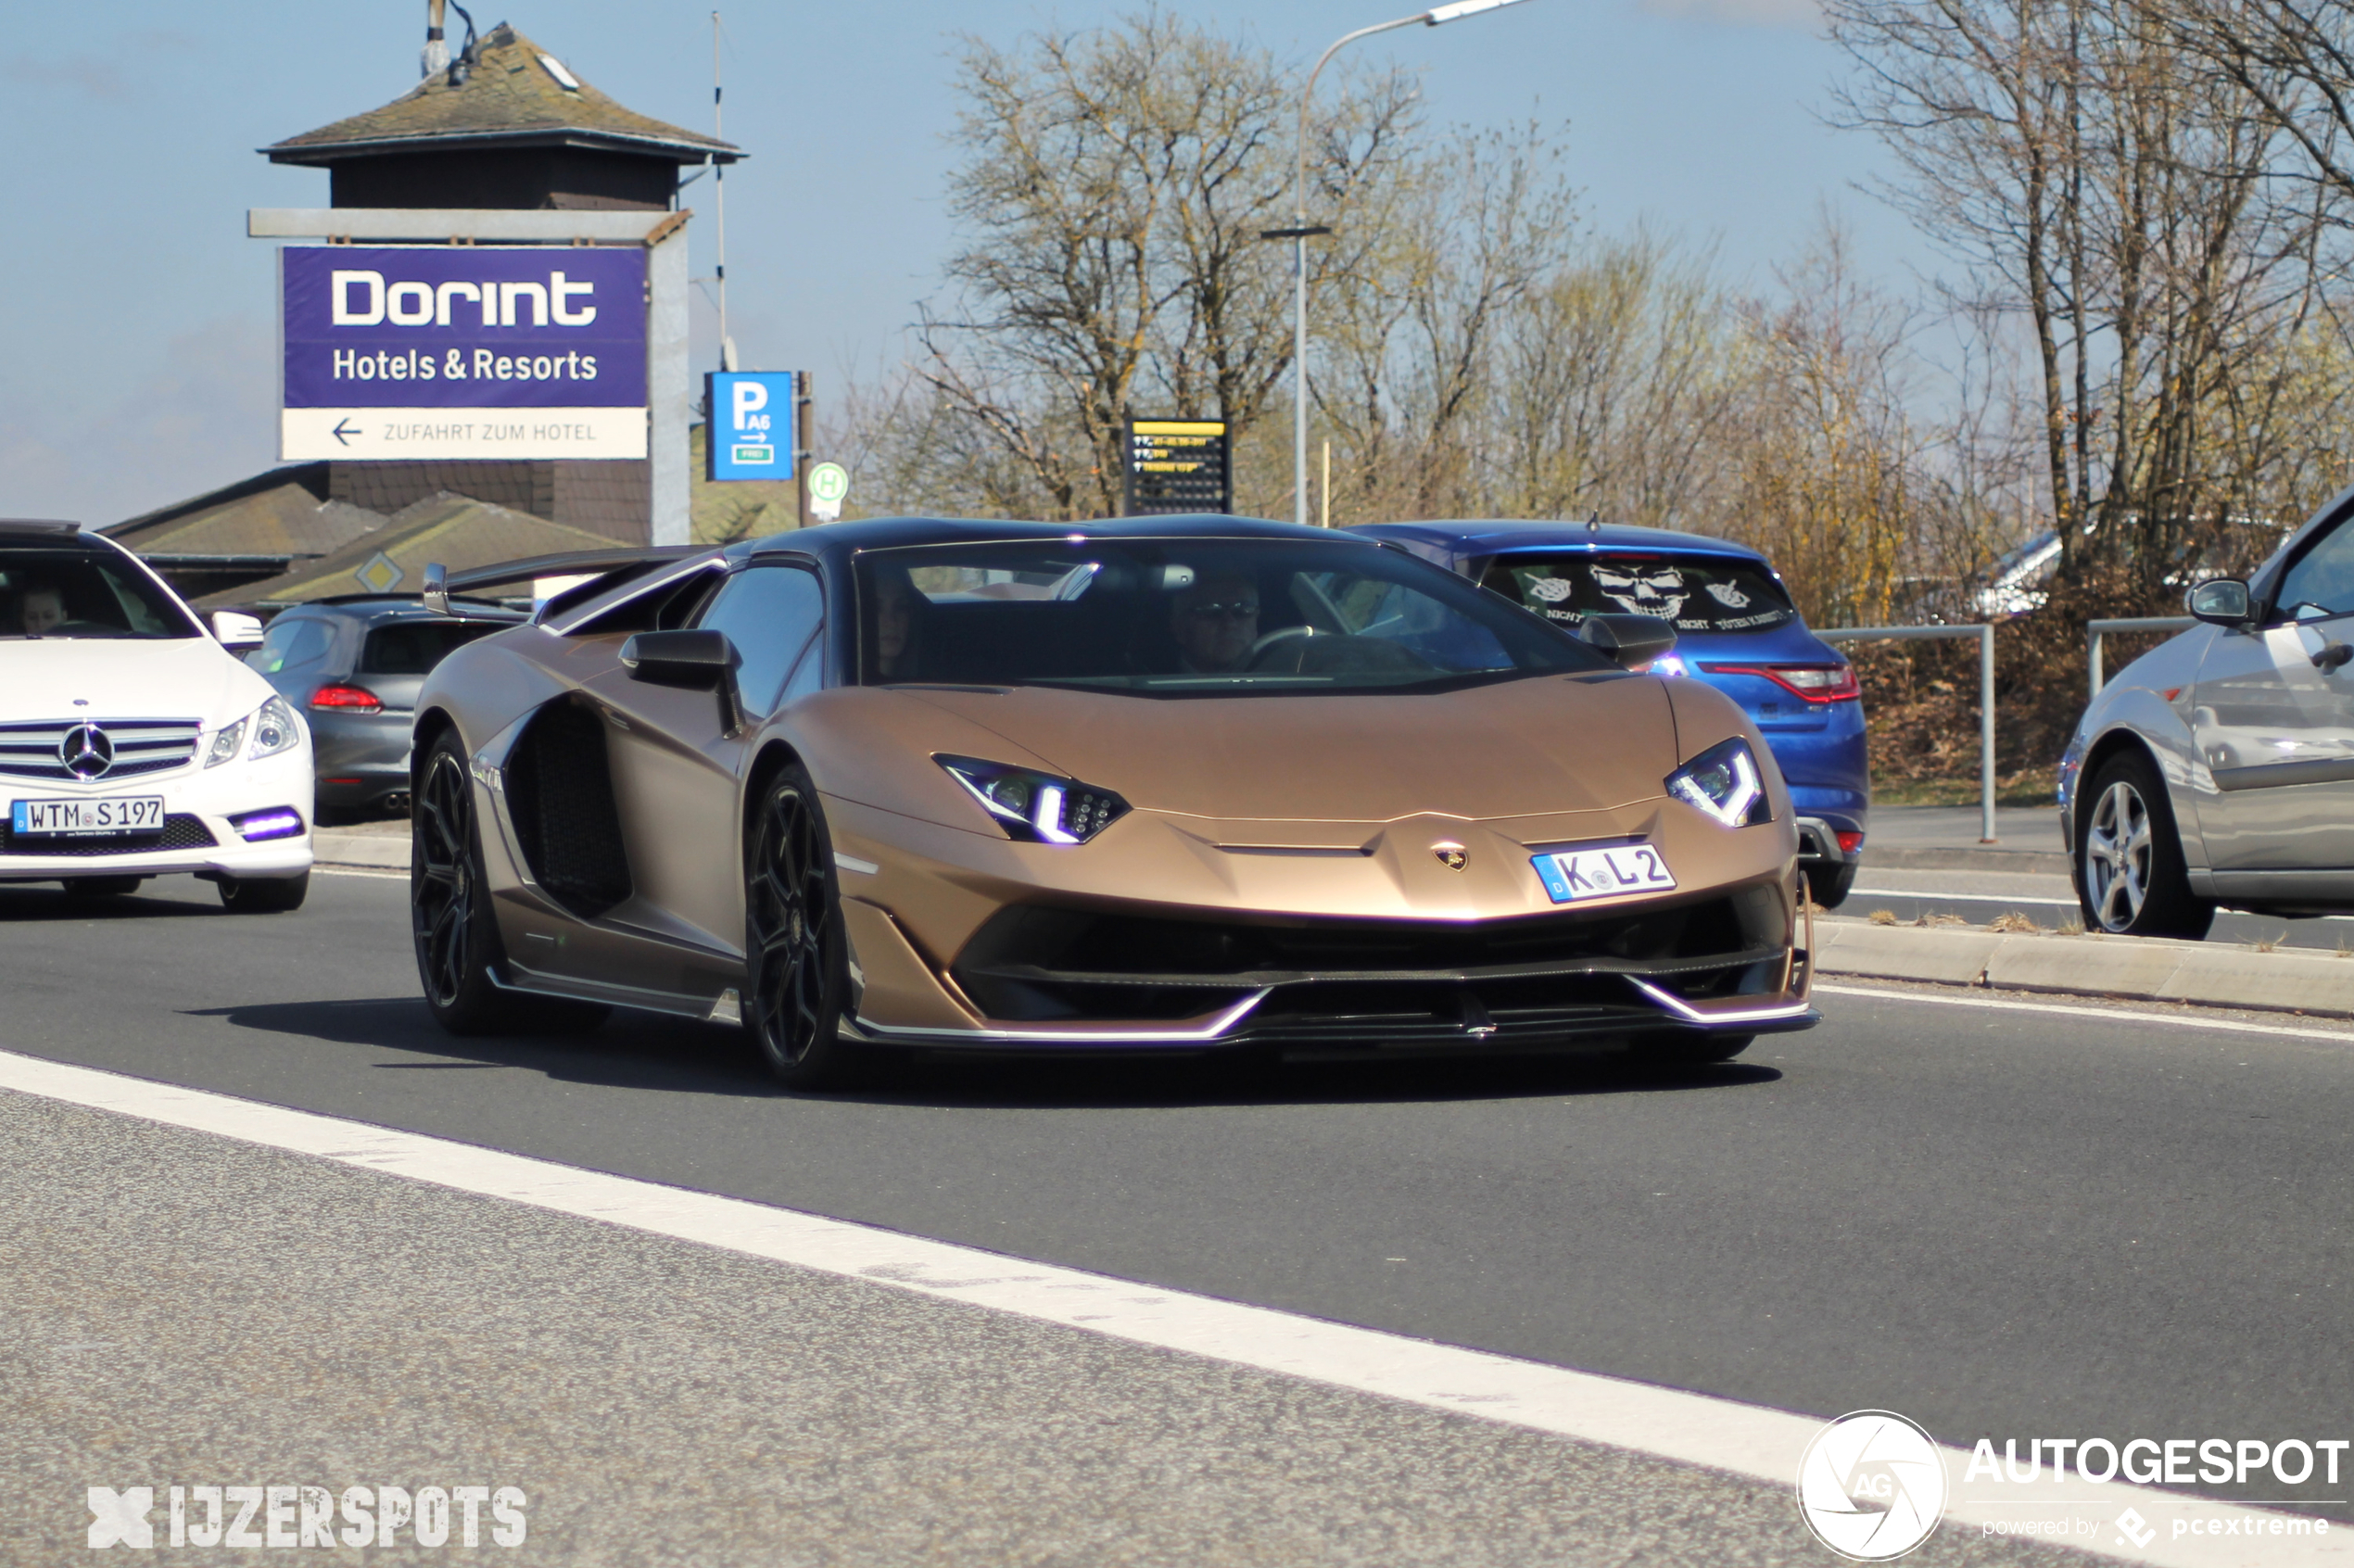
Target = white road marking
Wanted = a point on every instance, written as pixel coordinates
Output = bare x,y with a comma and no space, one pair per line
360,871
1746,1440
2110,1015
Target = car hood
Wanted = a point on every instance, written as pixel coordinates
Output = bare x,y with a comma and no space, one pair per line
1519,747
102,678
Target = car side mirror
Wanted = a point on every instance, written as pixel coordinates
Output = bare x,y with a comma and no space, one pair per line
236,630
698,660
436,591
2223,601
1631,641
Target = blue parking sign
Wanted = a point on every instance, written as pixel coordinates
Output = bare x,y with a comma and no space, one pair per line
751,433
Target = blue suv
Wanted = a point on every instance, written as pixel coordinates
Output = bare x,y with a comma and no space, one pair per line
1736,628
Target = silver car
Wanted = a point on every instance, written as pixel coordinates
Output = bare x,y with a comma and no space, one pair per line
353,666
2218,767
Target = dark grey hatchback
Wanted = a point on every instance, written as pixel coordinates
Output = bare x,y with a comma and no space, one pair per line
354,667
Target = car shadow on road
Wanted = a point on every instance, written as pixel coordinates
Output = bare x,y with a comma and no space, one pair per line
1098,1082
678,1055
50,904
633,1050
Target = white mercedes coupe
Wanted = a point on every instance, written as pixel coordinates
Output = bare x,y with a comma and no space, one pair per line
132,743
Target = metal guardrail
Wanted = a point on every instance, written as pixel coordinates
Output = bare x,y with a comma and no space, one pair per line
1985,635
2096,630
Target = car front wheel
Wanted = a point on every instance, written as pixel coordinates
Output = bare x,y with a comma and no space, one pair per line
263,895
796,952
451,918
1830,885
2130,873
102,887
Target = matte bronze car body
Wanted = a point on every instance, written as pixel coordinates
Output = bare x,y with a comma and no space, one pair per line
1277,857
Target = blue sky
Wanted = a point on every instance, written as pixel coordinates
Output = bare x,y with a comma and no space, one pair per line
136,340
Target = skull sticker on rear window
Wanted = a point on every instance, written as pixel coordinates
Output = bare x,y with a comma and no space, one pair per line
1697,593
1641,590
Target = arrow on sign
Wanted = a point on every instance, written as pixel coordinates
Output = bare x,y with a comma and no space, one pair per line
339,433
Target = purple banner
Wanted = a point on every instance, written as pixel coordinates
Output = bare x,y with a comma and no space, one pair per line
464,326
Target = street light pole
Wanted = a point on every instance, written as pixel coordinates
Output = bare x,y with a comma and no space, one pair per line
1302,231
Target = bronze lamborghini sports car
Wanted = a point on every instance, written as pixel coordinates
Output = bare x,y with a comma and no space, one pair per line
1164,784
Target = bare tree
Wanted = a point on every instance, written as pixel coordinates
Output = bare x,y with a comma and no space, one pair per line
1112,194
2130,211
1616,380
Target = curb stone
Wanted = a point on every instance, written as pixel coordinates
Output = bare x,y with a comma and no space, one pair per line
2144,969
373,851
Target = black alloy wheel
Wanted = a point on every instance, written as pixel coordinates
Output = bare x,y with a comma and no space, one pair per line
263,895
1830,885
451,918
796,952
2131,878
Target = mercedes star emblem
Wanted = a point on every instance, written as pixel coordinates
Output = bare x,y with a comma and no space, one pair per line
85,750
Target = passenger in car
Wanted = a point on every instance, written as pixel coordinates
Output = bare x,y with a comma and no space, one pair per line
1215,622
41,607
896,632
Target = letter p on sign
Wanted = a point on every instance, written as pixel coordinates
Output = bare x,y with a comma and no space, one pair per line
749,397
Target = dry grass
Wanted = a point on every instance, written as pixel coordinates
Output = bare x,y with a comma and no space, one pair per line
2012,920
2071,927
2266,944
1941,920
1884,916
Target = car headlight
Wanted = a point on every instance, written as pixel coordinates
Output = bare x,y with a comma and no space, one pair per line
1724,782
1035,806
225,743
275,729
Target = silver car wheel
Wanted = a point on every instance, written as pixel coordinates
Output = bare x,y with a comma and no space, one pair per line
2116,857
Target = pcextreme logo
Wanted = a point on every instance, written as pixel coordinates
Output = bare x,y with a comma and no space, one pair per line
1871,1486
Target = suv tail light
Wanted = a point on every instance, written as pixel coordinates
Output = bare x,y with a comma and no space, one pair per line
1815,683
346,699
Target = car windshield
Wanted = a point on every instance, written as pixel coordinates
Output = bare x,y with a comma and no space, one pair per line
1700,593
1191,617
80,593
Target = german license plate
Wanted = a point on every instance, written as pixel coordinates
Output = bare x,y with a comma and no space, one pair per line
122,814
1570,875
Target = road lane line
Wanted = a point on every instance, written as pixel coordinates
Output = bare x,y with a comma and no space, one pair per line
2111,1015
1722,1435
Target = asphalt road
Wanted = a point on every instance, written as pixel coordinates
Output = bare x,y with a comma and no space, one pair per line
2009,1223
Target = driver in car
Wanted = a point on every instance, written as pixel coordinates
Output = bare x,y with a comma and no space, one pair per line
44,609
1215,622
